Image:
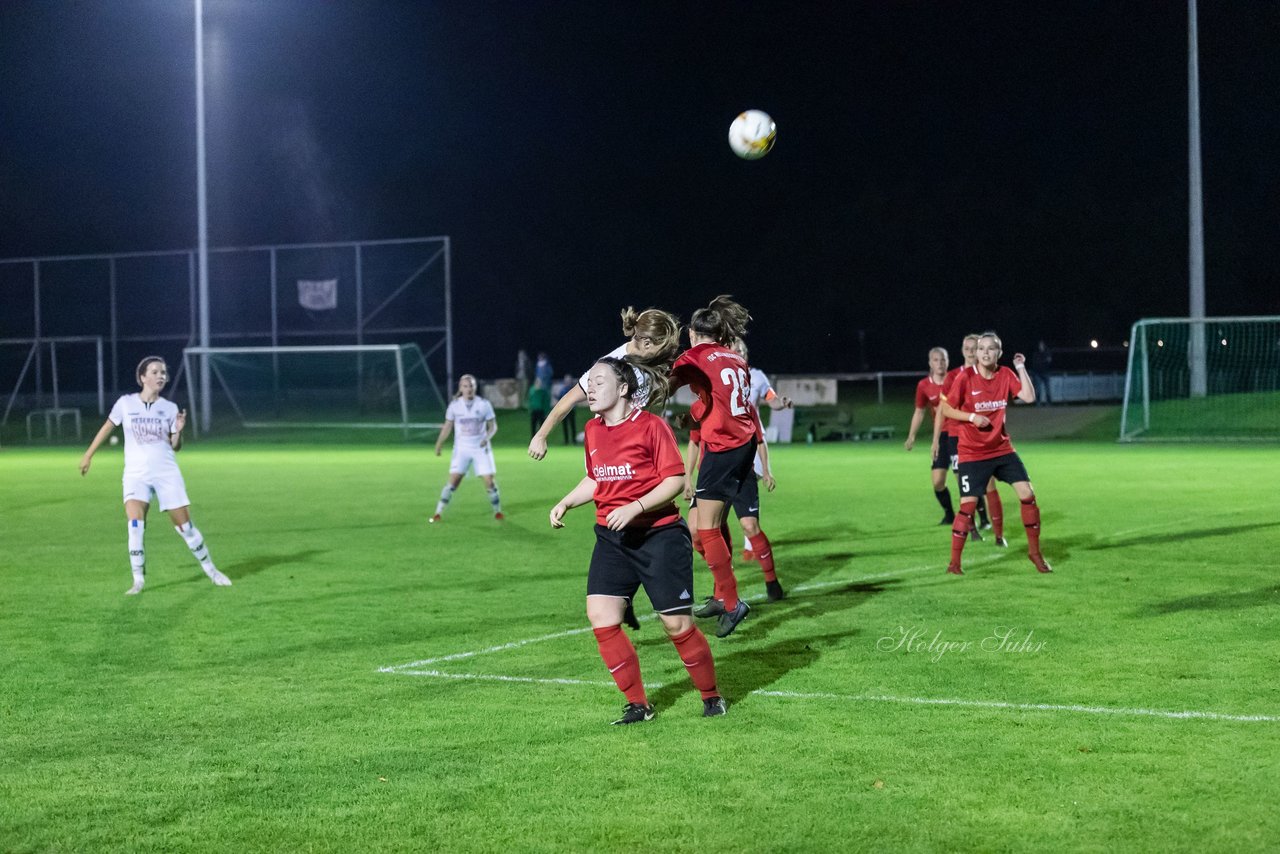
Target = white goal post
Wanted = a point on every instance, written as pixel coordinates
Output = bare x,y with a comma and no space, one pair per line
1203,379
360,386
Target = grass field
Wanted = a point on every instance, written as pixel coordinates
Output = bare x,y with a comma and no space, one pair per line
375,683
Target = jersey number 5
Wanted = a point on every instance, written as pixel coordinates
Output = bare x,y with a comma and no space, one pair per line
740,381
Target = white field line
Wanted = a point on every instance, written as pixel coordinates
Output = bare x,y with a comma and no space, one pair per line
816,585
1189,714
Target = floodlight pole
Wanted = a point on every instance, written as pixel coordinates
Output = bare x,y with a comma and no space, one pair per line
1196,342
202,226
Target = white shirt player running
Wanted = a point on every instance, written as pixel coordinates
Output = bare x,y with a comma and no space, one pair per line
149,461
760,388
470,442
641,396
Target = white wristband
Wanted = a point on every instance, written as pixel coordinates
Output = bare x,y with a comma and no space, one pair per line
971,414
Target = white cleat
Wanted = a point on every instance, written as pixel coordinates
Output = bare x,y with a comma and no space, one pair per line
135,589
218,578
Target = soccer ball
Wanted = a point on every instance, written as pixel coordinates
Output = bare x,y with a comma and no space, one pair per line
752,134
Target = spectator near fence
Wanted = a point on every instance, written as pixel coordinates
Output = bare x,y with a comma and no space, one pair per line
539,404
570,422
1040,363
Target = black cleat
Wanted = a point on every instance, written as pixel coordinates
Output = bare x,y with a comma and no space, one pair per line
729,619
635,713
714,707
774,590
1002,543
629,617
974,535
712,607
948,519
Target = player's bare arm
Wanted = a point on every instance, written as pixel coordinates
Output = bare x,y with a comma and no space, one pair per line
577,496
175,438
957,415
620,517
103,433
444,435
570,399
690,462
1028,392
917,418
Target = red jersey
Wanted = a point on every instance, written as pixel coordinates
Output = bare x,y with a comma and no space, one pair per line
629,459
947,382
928,393
695,432
722,381
972,392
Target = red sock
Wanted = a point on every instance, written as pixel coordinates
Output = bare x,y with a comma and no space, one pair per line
724,532
960,530
1031,521
995,512
720,560
695,652
697,546
623,663
764,553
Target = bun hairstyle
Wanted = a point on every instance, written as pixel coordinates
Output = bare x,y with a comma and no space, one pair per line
661,327
142,367
629,370
722,320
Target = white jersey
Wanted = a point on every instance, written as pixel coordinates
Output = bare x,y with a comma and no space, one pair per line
641,396
147,426
759,387
469,418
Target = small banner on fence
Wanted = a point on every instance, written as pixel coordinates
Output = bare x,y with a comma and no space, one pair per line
318,294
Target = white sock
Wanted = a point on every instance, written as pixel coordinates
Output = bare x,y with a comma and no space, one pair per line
137,554
195,542
445,495
494,500
746,543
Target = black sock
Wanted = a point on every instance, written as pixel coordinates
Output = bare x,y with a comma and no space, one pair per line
944,498
982,510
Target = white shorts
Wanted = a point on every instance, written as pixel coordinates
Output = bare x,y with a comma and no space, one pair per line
481,459
169,488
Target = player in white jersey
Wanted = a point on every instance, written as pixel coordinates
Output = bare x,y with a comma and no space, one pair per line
653,342
472,419
761,393
152,433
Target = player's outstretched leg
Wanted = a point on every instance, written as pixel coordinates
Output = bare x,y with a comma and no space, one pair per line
959,532
195,542
137,556
764,553
695,653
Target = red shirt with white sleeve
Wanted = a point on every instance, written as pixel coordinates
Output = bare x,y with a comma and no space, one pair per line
722,381
972,392
628,460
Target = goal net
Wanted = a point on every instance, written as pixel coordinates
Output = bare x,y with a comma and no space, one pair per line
1216,379
370,386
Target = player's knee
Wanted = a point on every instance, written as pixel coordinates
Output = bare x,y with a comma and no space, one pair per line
751,526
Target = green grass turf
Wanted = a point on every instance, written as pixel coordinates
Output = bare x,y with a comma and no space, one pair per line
257,717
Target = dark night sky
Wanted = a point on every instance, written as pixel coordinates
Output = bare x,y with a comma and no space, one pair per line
940,166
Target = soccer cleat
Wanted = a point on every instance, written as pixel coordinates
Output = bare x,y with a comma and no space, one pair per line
135,589
954,569
948,519
729,619
218,578
1002,543
974,535
635,713
498,516
1041,564
748,556
774,590
434,519
986,524
629,617
712,607
714,707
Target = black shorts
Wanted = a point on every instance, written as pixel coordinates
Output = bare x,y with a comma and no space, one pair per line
975,476
721,474
946,458
658,559
747,501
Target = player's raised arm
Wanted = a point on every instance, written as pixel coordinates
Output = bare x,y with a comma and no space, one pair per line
1027,394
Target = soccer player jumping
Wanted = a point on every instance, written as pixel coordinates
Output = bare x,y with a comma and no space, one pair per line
977,400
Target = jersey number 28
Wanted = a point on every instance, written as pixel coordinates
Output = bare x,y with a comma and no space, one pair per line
740,381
